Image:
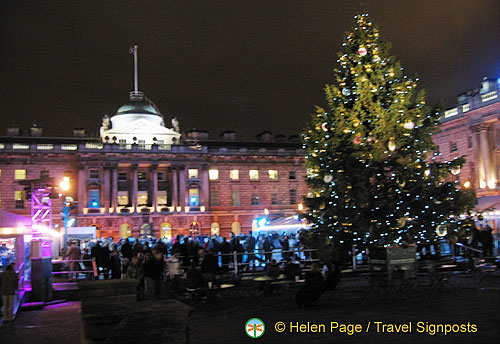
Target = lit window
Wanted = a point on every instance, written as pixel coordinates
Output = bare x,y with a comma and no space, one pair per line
273,174
123,198
142,198
93,174
193,173
215,228
19,198
94,199
20,174
213,174
234,174
235,197
194,197
162,197
254,174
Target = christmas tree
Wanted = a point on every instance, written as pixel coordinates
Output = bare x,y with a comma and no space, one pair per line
369,156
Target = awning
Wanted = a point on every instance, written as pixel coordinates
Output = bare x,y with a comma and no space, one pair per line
485,203
289,223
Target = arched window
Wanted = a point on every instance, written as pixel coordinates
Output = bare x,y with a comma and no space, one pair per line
166,230
236,228
194,228
125,230
215,228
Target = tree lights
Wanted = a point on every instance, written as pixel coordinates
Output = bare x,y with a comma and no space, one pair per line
367,154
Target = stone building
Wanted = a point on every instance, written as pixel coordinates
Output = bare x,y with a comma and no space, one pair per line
142,178
472,129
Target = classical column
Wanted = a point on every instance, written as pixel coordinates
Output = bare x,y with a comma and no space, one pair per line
82,189
114,192
480,163
106,188
204,186
175,188
135,186
485,153
182,187
154,191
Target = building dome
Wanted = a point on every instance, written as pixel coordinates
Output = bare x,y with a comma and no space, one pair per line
138,104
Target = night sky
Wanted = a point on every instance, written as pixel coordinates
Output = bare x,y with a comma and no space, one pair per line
241,65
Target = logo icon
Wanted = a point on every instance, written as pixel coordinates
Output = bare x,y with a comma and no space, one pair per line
255,328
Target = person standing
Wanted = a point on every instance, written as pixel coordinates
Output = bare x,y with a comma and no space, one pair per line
8,287
73,254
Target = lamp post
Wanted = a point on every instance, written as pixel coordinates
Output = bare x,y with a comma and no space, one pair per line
65,185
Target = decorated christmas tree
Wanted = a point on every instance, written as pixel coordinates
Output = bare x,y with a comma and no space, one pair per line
369,155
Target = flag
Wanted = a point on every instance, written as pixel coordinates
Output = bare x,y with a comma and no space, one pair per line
132,49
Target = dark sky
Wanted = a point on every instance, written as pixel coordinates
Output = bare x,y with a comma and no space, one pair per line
242,65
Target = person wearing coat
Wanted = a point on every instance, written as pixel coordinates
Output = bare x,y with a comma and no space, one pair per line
8,287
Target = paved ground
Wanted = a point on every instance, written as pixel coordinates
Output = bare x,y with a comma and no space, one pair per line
56,324
224,322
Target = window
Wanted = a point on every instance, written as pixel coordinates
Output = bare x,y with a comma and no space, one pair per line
125,230
255,199
214,197
193,173
162,197
293,196
274,198
234,174
292,175
142,176
273,174
162,176
254,174
437,152
235,197
194,197
213,174
236,228
94,199
20,174
453,146
44,174
93,173
122,176
215,228
166,230
19,198
142,198
123,198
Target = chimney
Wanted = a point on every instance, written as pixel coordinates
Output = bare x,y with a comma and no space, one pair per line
13,130
79,132
35,130
228,135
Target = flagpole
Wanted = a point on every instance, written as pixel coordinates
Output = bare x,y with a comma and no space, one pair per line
136,76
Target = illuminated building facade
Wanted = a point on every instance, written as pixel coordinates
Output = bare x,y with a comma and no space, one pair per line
142,178
472,129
